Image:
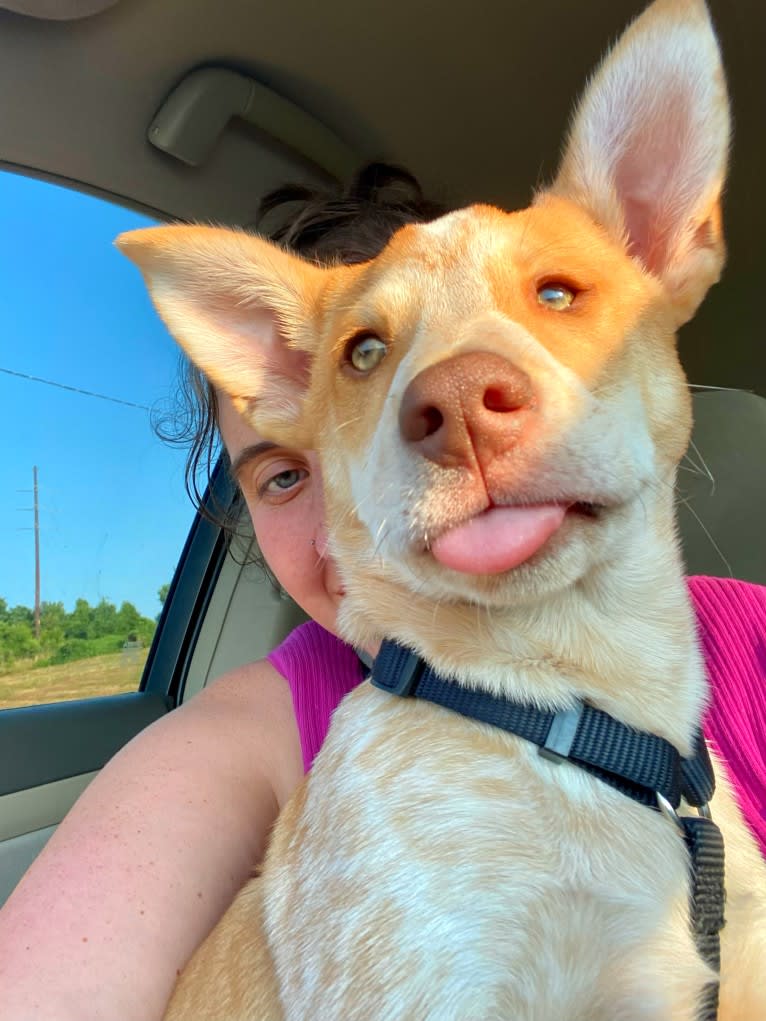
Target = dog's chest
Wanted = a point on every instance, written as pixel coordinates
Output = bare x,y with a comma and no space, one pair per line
439,862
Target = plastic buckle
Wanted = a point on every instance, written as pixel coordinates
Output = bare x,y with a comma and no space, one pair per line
561,735
396,669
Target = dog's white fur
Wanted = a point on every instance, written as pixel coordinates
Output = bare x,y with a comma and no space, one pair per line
431,867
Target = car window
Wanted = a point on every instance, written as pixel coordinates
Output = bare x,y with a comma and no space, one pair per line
93,512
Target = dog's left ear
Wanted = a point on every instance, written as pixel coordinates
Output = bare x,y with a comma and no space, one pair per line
242,309
648,148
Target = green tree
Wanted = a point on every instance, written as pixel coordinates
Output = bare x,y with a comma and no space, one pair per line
129,620
103,620
162,592
53,618
21,615
78,623
16,642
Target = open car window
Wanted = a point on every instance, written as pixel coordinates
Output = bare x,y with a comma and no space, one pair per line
94,512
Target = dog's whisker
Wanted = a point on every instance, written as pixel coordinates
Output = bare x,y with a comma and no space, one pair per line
348,422
378,539
692,469
724,389
713,543
703,464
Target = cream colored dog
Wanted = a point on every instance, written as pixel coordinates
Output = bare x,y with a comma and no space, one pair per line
499,411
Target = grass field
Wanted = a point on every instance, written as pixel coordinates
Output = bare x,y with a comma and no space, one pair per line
84,678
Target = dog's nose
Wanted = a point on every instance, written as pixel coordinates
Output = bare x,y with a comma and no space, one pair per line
472,406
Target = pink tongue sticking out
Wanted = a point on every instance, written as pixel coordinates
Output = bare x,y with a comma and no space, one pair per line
499,539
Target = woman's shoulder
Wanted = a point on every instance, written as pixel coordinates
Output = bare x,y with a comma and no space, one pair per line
307,649
251,709
248,681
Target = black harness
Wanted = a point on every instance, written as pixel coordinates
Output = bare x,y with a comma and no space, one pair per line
642,766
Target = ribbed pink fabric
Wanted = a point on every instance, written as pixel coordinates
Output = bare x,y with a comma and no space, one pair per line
321,669
732,628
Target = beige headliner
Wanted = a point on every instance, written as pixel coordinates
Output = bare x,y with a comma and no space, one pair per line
473,97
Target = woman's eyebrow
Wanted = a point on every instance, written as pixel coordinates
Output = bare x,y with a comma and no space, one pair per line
249,453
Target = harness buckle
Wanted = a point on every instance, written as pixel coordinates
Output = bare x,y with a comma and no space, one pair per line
396,669
670,813
667,810
561,735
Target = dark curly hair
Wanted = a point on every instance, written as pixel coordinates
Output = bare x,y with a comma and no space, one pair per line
347,227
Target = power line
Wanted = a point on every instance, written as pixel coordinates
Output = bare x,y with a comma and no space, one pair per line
75,389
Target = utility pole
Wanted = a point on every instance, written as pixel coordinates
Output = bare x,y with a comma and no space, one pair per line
37,557
36,511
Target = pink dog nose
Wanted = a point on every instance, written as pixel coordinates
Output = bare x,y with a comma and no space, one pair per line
467,407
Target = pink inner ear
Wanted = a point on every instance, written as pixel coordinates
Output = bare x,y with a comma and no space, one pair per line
288,366
661,174
247,354
286,377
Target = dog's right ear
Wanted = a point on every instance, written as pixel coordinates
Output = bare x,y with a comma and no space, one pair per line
648,148
242,310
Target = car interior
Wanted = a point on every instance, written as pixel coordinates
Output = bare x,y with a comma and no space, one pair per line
192,111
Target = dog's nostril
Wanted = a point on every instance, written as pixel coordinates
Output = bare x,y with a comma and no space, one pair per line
419,419
433,420
495,400
510,397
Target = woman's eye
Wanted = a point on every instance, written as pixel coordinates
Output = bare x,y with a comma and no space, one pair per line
555,296
284,480
366,353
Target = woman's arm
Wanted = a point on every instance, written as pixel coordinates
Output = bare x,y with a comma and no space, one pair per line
150,857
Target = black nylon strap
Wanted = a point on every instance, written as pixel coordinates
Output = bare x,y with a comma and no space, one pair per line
635,763
698,784
707,900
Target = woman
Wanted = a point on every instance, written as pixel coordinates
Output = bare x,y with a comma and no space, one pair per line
153,852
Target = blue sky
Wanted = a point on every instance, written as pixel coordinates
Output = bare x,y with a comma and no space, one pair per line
113,510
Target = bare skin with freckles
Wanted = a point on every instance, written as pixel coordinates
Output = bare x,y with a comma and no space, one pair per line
498,411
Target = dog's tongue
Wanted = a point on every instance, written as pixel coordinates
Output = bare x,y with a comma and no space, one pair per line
499,539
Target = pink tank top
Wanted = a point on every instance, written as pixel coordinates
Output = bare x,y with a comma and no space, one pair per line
731,615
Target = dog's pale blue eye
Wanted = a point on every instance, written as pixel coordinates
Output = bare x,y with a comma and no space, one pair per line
555,296
366,353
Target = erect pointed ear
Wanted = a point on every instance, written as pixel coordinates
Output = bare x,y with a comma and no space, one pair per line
242,309
648,148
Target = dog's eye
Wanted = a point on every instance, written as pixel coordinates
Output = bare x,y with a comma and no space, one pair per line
555,296
366,352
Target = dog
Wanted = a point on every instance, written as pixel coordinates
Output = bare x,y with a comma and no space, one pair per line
500,411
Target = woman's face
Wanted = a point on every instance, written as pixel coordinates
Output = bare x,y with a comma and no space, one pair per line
283,492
